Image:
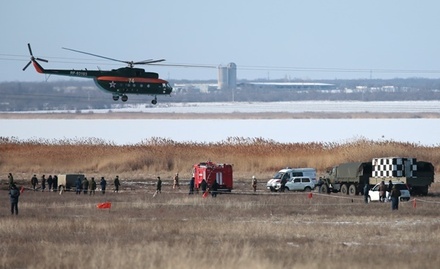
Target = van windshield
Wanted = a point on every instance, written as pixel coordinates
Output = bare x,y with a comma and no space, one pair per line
278,175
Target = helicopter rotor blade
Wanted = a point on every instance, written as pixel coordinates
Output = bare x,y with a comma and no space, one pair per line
27,65
43,60
151,61
30,50
188,65
96,55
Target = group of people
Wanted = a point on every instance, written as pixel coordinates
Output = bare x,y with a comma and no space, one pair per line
84,186
393,194
52,182
80,186
203,186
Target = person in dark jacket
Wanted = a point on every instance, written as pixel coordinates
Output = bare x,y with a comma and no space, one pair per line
14,193
34,182
390,187
191,185
78,185
103,184
85,185
117,184
55,183
214,189
11,180
50,182
366,189
395,194
92,186
203,186
283,182
43,183
158,185
382,192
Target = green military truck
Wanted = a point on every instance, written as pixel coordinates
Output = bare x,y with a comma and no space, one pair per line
347,178
350,178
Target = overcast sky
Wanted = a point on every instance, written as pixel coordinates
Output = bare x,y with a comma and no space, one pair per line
266,39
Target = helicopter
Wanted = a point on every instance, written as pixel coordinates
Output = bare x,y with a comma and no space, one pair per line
119,82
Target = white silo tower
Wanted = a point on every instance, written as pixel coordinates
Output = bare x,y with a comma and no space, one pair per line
232,76
222,77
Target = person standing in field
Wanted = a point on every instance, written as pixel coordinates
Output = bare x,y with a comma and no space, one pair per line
366,189
158,185
214,189
390,187
14,193
43,183
50,182
117,184
203,186
395,194
10,180
34,182
103,184
382,192
92,186
191,186
85,185
283,182
55,182
78,185
176,181
254,183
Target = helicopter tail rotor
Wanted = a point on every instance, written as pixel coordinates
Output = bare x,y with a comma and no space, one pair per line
33,58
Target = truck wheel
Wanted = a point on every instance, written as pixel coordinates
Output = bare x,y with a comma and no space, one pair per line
323,188
344,189
352,190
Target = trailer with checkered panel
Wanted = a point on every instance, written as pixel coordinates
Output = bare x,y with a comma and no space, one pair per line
350,178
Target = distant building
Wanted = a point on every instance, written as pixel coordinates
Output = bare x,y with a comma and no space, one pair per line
227,77
298,86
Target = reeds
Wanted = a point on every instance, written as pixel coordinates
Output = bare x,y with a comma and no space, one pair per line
157,156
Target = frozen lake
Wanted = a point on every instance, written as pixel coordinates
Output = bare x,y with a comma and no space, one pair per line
289,107
424,131
420,131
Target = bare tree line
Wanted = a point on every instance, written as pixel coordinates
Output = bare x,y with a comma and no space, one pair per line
79,95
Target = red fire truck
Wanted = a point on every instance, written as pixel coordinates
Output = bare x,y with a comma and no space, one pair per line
222,173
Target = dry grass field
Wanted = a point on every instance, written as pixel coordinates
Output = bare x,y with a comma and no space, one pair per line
237,230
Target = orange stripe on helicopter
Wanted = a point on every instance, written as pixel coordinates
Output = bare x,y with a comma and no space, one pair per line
131,80
38,67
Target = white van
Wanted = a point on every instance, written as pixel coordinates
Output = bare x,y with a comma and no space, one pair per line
275,183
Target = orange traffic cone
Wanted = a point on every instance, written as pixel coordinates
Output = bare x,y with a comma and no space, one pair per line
310,195
205,194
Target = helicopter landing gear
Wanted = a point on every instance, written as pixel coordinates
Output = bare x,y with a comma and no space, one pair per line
115,97
124,98
154,101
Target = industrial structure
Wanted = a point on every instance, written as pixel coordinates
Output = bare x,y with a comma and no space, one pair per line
227,77
227,81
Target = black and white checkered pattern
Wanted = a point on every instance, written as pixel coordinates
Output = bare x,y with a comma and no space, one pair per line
393,167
